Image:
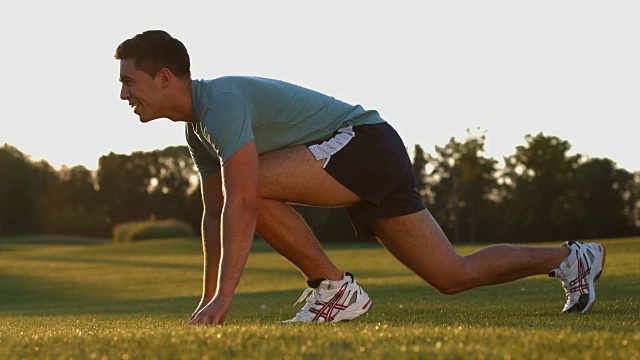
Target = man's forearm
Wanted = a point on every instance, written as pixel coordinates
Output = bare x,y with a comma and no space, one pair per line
212,251
238,228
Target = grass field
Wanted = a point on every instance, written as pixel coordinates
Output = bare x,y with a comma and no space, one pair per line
71,298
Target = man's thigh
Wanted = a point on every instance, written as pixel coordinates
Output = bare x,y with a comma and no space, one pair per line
293,175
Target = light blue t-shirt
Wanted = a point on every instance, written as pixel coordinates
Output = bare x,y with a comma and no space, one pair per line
233,110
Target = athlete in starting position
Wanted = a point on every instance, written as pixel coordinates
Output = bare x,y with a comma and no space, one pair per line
260,144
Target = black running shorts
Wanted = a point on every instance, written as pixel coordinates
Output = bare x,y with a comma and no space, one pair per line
372,161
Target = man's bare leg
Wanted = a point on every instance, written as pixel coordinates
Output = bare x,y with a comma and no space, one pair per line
419,243
293,175
283,228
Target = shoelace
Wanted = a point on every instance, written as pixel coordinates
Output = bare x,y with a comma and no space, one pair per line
314,295
311,295
566,283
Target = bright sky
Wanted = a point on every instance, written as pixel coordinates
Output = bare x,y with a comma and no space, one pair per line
431,68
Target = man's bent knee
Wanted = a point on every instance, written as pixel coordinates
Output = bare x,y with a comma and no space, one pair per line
454,282
451,289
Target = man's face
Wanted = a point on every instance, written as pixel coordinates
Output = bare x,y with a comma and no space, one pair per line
143,92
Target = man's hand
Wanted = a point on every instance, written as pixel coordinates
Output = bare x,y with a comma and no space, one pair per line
202,304
213,313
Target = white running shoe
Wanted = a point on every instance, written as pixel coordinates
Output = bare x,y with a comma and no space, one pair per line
578,274
333,301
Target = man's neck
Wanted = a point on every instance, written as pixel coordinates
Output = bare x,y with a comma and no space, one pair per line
181,108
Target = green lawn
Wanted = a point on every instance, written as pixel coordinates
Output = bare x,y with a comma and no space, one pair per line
71,298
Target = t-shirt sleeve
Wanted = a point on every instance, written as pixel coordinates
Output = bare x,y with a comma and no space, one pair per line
206,162
227,120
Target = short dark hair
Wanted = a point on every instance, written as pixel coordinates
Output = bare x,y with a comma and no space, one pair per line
153,50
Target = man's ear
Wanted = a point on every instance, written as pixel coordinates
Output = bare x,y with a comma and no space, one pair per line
165,76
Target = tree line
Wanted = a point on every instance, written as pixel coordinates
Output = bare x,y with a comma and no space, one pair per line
541,193
35,198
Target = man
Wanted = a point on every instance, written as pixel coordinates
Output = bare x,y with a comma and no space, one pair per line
261,144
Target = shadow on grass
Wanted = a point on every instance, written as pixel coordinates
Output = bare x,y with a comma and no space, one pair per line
53,240
128,262
21,292
394,305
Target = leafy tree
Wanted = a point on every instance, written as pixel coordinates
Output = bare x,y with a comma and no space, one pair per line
79,187
20,192
173,178
543,198
462,183
632,207
70,202
123,182
147,185
419,165
608,199
477,183
443,181
193,208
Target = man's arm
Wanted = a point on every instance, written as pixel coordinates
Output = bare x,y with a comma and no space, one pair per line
238,221
212,199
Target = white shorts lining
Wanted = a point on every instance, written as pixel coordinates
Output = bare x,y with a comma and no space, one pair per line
327,148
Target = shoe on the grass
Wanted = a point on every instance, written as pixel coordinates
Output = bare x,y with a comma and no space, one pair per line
332,301
578,274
